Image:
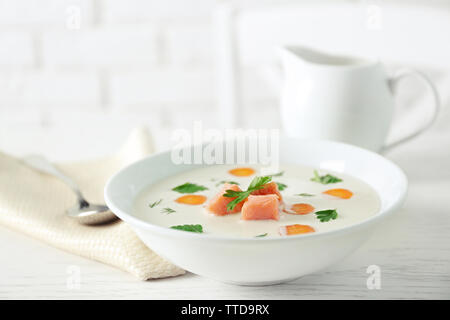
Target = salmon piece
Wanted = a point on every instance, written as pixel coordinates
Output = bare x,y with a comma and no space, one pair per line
261,208
218,204
269,188
340,193
294,229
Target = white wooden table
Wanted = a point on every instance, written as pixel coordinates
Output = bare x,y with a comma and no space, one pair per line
412,249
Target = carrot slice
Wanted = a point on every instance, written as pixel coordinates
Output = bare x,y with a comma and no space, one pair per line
191,199
295,229
300,208
242,172
340,193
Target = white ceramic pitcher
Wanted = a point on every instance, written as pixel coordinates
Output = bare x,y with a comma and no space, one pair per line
341,98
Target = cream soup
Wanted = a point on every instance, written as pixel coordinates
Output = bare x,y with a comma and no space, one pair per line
354,201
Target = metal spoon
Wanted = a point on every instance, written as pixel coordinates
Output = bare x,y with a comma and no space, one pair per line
82,211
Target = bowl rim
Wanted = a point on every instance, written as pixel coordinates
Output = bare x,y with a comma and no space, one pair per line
142,224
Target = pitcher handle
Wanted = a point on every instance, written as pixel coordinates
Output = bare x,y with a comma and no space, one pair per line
425,80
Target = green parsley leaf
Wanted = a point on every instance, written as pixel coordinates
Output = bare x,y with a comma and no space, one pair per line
326,179
168,210
279,174
189,227
189,188
259,182
238,195
232,193
261,235
305,195
256,184
281,186
326,215
154,204
223,181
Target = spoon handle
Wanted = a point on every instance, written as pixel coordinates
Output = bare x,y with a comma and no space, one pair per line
41,164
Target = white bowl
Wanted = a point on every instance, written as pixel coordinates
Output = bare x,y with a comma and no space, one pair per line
260,261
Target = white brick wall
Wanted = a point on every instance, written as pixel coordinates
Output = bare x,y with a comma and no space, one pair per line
49,89
16,49
148,59
161,87
115,57
100,47
189,45
32,14
133,11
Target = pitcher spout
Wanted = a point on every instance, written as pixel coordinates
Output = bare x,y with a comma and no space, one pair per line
291,57
294,56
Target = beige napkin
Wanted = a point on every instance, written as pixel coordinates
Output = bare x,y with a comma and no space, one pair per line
34,203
